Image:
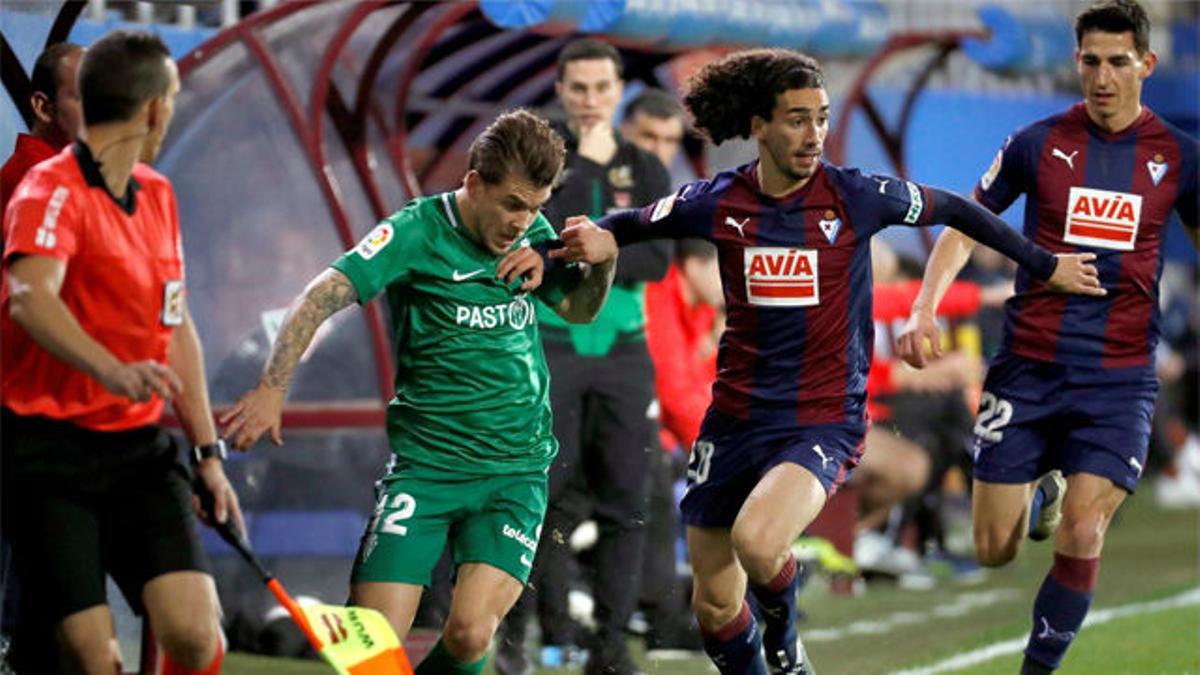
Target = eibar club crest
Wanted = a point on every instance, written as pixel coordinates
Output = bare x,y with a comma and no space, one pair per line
1157,168
830,225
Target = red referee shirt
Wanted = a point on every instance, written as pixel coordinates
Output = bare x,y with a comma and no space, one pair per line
30,150
124,284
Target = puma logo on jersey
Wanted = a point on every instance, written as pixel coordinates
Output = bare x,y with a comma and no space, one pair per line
1137,466
825,460
740,227
1102,218
781,276
1069,159
882,184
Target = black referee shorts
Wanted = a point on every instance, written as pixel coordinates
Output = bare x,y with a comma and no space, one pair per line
79,503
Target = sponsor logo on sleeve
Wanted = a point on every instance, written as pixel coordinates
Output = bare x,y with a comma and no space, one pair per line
781,277
172,313
989,176
662,208
1102,218
916,203
46,236
374,242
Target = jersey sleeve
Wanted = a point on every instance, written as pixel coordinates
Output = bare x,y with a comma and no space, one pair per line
889,200
559,279
383,257
1004,180
686,213
42,218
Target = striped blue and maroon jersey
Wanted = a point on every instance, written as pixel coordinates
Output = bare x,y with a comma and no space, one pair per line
1111,194
797,277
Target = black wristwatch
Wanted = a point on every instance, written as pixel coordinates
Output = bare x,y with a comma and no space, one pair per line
203,452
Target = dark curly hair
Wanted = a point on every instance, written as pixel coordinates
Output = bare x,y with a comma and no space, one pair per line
1116,16
726,94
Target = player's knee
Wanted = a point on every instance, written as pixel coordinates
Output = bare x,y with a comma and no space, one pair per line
92,654
758,555
1083,533
190,644
713,612
468,640
994,547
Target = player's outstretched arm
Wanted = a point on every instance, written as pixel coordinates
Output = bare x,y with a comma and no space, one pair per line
261,409
34,282
596,250
949,255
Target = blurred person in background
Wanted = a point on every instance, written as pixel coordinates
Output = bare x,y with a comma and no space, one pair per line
1073,389
603,381
684,319
57,114
470,423
92,350
682,341
788,417
57,120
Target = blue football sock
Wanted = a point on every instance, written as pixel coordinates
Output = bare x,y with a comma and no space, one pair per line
1060,607
736,648
777,600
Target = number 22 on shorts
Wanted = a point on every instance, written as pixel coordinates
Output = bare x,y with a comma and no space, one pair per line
994,414
403,506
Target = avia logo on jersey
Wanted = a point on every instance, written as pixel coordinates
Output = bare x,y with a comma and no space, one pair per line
515,315
1102,218
783,277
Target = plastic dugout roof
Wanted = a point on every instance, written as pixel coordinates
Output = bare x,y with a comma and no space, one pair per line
296,130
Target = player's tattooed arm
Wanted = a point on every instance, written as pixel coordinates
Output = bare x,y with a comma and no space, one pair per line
584,303
261,409
327,294
596,249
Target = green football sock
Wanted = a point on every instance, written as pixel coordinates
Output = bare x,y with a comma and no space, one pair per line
441,662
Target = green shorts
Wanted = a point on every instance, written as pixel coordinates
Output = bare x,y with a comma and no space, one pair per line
488,519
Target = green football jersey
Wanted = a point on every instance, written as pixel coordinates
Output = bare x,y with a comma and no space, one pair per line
472,387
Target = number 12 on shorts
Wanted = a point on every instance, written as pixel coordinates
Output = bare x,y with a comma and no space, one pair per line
994,414
402,508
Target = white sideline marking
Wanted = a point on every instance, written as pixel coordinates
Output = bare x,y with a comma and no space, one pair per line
961,605
1185,599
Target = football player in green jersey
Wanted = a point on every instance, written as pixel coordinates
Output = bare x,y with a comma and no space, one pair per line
469,426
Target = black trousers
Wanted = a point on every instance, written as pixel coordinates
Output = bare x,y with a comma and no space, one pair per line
606,438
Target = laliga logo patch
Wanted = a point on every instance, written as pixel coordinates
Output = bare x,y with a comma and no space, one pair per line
781,277
989,176
172,312
830,225
1102,218
662,208
375,241
1157,168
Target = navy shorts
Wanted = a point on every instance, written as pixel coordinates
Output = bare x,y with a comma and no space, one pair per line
730,456
1036,416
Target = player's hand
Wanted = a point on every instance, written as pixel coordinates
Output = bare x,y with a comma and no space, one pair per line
920,331
1074,273
523,262
597,142
583,241
210,476
141,380
260,410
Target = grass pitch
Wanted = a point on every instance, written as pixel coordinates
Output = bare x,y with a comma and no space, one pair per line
1151,554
